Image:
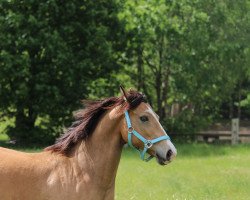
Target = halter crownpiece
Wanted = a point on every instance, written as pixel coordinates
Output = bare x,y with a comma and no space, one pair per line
147,143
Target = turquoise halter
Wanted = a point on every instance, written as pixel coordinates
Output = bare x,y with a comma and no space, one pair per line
147,143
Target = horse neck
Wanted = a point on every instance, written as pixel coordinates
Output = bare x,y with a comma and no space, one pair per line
99,155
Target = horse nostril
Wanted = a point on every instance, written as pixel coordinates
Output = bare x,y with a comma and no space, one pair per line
169,154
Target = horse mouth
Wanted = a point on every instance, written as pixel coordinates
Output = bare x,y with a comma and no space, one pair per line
161,160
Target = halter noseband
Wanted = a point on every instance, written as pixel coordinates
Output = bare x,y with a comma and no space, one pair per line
147,143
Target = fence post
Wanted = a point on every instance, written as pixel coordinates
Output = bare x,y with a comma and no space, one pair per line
235,131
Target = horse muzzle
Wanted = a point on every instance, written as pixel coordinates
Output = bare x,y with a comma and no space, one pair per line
165,157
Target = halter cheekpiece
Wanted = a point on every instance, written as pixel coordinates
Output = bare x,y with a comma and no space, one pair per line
147,143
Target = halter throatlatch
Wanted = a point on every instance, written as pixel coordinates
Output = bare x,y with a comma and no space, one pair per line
147,143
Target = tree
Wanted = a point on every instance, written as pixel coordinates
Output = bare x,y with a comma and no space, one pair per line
185,52
49,54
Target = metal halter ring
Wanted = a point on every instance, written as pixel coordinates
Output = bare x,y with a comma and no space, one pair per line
130,129
148,144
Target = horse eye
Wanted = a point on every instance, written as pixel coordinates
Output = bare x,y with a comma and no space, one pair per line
144,118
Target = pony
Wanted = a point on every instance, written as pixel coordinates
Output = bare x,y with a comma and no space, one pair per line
83,162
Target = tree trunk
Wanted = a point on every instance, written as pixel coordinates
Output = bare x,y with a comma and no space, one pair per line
231,108
140,69
24,124
239,100
26,115
165,85
159,78
158,92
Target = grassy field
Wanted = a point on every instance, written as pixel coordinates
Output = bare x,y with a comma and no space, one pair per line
199,172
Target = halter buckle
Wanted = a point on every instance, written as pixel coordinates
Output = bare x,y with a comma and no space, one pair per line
148,144
130,129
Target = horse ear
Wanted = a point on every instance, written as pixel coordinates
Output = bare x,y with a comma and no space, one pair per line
124,93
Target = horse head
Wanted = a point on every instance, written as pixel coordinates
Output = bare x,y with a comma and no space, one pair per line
142,130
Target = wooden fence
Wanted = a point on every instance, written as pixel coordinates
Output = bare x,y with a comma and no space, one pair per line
233,136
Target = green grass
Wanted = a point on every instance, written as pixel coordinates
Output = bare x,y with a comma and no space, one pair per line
200,172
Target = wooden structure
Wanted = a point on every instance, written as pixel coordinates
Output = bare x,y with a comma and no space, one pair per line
234,136
235,131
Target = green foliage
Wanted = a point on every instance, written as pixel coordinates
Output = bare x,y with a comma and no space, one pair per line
50,52
190,54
